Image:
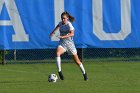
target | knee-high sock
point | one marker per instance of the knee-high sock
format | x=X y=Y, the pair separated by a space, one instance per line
x=58 y=59
x=82 y=68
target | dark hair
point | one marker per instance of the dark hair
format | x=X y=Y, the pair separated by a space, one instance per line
x=71 y=18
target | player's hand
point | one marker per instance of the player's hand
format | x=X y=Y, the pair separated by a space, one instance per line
x=63 y=37
x=60 y=36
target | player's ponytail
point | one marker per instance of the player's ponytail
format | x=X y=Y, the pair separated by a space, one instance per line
x=71 y=18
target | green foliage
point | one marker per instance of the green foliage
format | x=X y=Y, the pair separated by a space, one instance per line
x=104 y=77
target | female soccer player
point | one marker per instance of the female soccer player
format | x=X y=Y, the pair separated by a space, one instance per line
x=66 y=43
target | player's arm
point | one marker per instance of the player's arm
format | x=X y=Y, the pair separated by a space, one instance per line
x=71 y=34
x=54 y=30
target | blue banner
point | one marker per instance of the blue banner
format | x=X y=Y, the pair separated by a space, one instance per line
x=26 y=24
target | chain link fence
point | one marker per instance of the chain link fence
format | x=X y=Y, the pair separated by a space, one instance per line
x=86 y=55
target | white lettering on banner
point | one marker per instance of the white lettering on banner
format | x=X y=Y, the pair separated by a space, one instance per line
x=98 y=21
x=59 y=8
x=14 y=21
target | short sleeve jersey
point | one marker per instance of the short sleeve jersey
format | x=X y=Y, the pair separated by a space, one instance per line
x=65 y=30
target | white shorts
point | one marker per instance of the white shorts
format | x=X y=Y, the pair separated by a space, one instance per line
x=71 y=50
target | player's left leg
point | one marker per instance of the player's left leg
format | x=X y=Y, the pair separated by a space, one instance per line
x=78 y=62
x=72 y=51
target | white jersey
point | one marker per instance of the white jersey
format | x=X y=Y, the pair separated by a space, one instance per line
x=65 y=30
x=67 y=43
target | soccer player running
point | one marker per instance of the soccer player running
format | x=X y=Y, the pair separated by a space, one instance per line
x=66 y=43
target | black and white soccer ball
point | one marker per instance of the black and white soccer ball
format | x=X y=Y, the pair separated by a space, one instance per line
x=52 y=78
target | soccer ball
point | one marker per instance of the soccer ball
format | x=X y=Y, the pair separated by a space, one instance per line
x=52 y=78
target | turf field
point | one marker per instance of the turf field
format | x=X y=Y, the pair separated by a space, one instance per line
x=104 y=77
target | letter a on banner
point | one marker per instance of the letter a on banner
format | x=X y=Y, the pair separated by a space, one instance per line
x=14 y=21
x=98 y=21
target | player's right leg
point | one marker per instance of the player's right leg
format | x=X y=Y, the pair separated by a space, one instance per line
x=59 y=52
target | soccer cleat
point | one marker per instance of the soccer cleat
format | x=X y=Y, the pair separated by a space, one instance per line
x=85 y=77
x=61 y=75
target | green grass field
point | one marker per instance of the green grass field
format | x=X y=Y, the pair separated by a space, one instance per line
x=104 y=77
